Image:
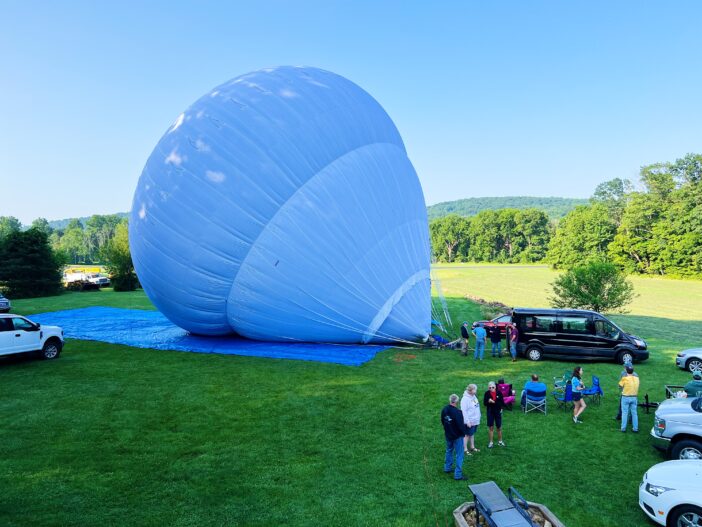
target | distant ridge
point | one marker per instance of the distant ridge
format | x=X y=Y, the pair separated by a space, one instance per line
x=554 y=208
x=62 y=224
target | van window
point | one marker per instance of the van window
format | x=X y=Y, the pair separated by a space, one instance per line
x=544 y=323
x=605 y=329
x=576 y=324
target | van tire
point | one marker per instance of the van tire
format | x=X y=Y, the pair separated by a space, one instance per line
x=625 y=356
x=534 y=353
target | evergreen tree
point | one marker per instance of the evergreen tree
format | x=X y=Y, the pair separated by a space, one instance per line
x=29 y=266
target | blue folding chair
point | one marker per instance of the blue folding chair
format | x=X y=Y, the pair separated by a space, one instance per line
x=565 y=397
x=594 y=393
x=534 y=400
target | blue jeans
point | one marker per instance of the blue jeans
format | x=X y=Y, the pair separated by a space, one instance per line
x=479 y=349
x=513 y=349
x=455 y=446
x=630 y=405
x=496 y=349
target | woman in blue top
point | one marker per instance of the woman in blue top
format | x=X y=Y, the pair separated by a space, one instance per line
x=578 y=386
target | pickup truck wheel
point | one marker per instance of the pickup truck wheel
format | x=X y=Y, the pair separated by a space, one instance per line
x=684 y=516
x=694 y=364
x=51 y=349
x=625 y=356
x=687 y=449
x=533 y=353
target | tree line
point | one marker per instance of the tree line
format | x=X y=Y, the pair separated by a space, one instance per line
x=33 y=258
x=655 y=229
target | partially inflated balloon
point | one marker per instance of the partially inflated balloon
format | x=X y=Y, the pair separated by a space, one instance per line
x=282 y=206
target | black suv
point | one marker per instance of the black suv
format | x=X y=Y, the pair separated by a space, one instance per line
x=574 y=334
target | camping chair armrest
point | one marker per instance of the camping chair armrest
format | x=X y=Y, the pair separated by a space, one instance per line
x=517 y=499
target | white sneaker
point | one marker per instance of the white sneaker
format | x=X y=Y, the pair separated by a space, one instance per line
x=501 y=443
x=490 y=444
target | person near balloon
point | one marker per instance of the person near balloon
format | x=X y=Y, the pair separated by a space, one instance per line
x=480 y=337
x=494 y=403
x=470 y=407
x=454 y=431
x=496 y=340
x=630 y=391
x=513 y=339
x=464 y=339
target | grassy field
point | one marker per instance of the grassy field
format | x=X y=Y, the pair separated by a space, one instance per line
x=121 y=436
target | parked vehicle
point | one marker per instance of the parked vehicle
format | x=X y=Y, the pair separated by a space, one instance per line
x=576 y=335
x=5 y=305
x=689 y=360
x=98 y=279
x=21 y=335
x=671 y=493
x=501 y=321
x=677 y=428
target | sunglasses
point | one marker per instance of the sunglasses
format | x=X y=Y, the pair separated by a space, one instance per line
x=492 y=387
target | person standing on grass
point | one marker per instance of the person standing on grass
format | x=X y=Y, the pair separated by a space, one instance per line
x=470 y=407
x=480 y=337
x=452 y=421
x=464 y=339
x=496 y=339
x=513 y=339
x=494 y=402
x=622 y=375
x=578 y=386
x=630 y=401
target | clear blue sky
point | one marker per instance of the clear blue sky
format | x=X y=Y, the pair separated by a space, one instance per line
x=491 y=98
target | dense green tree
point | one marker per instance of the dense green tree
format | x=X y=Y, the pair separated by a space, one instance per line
x=9 y=224
x=597 y=285
x=29 y=267
x=582 y=236
x=41 y=224
x=633 y=247
x=73 y=244
x=119 y=260
x=486 y=237
x=613 y=194
x=533 y=230
x=449 y=237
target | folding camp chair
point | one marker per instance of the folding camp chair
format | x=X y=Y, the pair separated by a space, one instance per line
x=594 y=393
x=565 y=397
x=507 y=394
x=534 y=400
x=559 y=383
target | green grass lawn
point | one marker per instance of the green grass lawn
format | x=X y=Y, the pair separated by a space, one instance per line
x=112 y=435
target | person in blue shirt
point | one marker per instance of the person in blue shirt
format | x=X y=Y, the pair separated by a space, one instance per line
x=480 y=337
x=533 y=386
x=578 y=386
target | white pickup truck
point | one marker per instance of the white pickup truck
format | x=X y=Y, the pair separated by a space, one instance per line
x=21 y=335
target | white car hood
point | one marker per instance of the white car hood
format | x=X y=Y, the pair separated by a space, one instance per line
x=679 y=474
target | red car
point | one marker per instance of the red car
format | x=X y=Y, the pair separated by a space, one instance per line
x=501 y=321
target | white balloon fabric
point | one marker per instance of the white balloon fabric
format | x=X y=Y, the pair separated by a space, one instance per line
x=282 y=206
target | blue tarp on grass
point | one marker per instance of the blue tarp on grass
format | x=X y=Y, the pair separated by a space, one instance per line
x=150 y=329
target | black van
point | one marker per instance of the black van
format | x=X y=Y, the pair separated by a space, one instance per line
x=574 y=334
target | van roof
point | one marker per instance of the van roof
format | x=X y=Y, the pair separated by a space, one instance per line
x=553 y=312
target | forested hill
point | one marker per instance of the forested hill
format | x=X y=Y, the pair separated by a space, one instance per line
x=553 y=207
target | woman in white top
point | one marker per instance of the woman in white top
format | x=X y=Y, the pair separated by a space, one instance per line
x=470 y=406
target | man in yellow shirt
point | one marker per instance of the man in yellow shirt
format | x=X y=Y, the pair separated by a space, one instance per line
x=630 y=391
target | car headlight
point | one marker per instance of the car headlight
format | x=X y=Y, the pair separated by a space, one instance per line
x=640 y=343
x=656 y=490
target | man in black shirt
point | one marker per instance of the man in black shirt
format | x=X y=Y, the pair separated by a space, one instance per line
x=464 y=339
x=454 y=430
x=496 y=339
